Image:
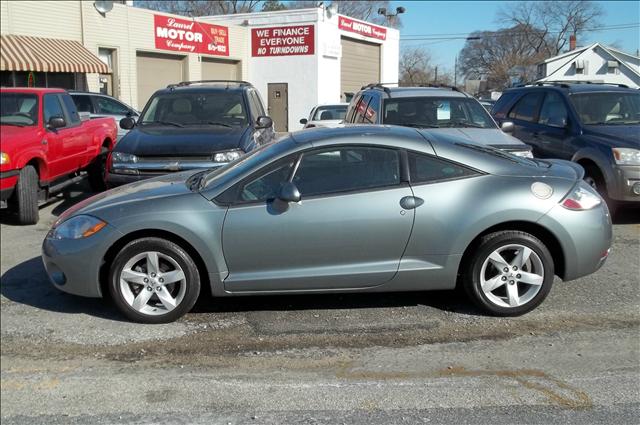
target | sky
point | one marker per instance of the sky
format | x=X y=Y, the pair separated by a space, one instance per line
x=444 y=17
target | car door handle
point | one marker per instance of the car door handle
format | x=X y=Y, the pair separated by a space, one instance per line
x=411 y=202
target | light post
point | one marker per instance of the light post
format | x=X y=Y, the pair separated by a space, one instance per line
x=383 y=11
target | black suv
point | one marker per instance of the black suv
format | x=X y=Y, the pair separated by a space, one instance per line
x=444 y=109
x=193 y=124
x=595 y=125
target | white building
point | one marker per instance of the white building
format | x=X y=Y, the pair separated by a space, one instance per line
x=595 y=63
x=300 y=58
x=295 y=58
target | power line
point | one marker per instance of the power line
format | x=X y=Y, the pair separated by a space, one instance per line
x=488 y=34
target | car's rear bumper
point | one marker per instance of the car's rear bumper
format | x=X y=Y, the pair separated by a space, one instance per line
x=626 y=183
x=584 y=236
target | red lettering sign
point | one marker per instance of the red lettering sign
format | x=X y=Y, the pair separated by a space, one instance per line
x=184 y=35
x=362 y=28
x=283 y=41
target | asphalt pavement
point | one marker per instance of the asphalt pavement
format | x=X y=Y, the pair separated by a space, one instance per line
x=407 y=358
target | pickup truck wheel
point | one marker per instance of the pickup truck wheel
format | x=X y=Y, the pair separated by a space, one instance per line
x=97 y=171
x=27 y=196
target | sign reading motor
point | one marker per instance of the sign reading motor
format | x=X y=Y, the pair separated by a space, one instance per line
x=362 y=28
x=283 y=41
x=190 y=36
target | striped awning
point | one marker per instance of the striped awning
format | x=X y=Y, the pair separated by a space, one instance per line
x=26 y=53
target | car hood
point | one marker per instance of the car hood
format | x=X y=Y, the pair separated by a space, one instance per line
x=148 y=190
x=621 y=136
x=12 y=135
x=170 y=141
x=485 y=136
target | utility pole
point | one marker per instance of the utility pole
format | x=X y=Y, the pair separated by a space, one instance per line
x=436 y=80
x=455 y=72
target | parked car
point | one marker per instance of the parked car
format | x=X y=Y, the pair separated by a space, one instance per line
x=46 y=146
x=356 y=209
x=194 y=124
x=446 y=109
x=101 y=105
x=325 y=116
x=595 y=125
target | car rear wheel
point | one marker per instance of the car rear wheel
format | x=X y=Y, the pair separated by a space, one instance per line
x=154 y=280
x=27 y=196
x=509 y=274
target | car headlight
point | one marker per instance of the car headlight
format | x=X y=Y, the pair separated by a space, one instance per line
x=626 y=156
x=4 y=158
x=227 y=156
x=523 y=154
x=125 y=158
x=78 y=227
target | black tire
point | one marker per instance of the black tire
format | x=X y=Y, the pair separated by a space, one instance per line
x=486 y=246
x=163 y=246
x=594 y=178
x=27 y=196
x=97 y=171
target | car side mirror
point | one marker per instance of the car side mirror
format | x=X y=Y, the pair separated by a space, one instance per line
x=289 y=193
x=127 y=123
x=303 y=121
x=508 y=127
x=56 y=122
x=264 y=121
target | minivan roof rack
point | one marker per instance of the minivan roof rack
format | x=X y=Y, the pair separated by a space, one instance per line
x=566 y=84
x=382 y=86
x=228 y=82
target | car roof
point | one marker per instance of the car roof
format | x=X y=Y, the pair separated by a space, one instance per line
x=578 y=87
x=32 y=90
x=400 y=92
x=318 y=134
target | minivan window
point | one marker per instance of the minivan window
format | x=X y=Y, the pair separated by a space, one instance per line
x=607 y=108
x=526 y=107
x=553 y=112
x=435 y=112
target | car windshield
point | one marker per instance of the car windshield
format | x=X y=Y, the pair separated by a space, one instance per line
x=607 y=108
x=220 y=108
x=19 y=109
x=330 y=112
x=436 y=112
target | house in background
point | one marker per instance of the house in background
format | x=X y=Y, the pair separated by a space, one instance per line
x=595 y=63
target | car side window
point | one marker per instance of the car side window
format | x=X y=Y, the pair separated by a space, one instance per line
x=83 y=103
x=351 y=110
x=111 y=107
x=553 y=112
x=73 y=118
x=266 y=185
x=346 y=169
x=52 y=107
x=361 y=109
x=526 y=108
x=427 y=169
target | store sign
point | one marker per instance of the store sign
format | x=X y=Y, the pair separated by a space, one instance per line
x=362 y=28
x=184 y=35
x=283 y=41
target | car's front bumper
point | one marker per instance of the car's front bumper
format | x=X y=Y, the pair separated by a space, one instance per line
x=121 y=174
x=626 y=183
x=584 y=236
x=73 y=265
x=8 y=181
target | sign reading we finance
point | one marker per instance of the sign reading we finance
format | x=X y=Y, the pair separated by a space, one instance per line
x=184 y=35
x=283 y=41
x=362 y=28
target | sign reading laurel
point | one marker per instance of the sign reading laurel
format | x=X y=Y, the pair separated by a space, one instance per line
x=185 y=35
x=362 y=28
x=283 y=41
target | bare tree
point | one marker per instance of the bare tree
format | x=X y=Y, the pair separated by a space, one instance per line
x=547 y=25
x=415 y=67
x=498 y=55
x=200 y=7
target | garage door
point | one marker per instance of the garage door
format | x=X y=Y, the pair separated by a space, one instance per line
x=360 y=65
x=156 y=71
x=216 y=69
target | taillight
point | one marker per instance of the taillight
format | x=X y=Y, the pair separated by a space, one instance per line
x=581 y=199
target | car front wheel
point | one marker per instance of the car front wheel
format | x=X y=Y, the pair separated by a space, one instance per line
x=509 y=274
x=154 y=280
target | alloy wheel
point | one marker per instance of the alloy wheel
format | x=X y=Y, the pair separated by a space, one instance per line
x=152 y=283
x=512 y=275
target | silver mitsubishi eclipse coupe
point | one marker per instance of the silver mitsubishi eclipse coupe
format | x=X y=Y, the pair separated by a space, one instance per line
x=354 y=209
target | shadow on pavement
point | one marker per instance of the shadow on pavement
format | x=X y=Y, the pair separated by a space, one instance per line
x=628 y=215
x=27 y=283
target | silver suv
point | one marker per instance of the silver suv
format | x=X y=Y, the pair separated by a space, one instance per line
x=444 y=109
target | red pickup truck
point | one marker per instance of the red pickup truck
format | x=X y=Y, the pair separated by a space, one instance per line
x=45 y=146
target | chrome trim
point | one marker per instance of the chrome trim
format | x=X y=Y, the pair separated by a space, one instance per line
x=181 y=165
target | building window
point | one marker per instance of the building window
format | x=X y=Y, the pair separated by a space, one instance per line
x=62 y=80
x=108 y=81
